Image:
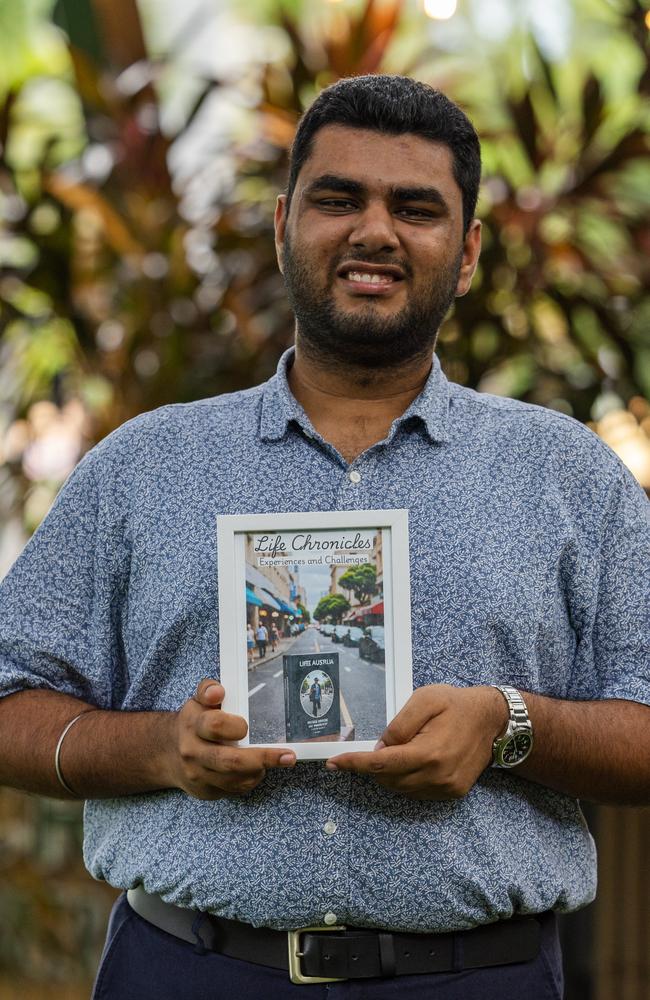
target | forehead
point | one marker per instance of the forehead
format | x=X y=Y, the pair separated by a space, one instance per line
x=378 y=160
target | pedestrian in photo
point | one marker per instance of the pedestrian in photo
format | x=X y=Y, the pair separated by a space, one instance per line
x=530 y=589
x=315 y=696
x=262 y=639
x=250 y=643
x=274 y=637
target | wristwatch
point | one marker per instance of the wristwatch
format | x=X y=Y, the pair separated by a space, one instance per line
x=516 y=743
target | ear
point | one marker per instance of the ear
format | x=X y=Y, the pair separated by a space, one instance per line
x=280 y=221
x=471 y=252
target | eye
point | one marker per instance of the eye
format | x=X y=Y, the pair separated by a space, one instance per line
x=337 y=204
x=415 y=213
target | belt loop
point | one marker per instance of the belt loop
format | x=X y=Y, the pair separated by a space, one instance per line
x=457 y=956
x=387 y=955
x=200 y=947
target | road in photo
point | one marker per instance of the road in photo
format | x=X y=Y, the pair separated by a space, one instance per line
x=362 y=690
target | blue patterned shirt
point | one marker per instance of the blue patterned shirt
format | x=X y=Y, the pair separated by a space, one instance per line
x=529 y=548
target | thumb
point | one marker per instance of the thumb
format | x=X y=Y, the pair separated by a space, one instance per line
x=210 y=693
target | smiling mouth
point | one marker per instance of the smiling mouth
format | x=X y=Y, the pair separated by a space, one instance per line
x=372 y=281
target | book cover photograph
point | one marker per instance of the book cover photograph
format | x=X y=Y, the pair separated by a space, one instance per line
x=312 y=696
x=321 y=599
x=314 y=639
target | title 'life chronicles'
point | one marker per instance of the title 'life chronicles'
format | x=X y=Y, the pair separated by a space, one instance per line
x=275 y=545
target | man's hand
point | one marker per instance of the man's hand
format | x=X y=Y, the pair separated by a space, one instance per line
x=203 y=765
x=438 y=745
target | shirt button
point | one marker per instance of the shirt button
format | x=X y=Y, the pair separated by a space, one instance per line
x=355 y=477
x=330 y=827
x=329 y=918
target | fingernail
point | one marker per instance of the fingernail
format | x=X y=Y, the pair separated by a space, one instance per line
x=210 y=687
x=287 y=758
x=379 y=745
x=330 y=765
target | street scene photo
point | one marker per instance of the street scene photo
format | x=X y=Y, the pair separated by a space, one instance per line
x=315 y=636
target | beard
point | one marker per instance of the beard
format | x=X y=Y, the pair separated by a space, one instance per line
x=364 y=338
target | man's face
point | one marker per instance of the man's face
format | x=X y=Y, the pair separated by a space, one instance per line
x=372 y=249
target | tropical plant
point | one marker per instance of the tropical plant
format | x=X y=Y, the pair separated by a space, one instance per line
x=123 y=290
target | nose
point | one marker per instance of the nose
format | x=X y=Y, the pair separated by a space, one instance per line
x=374 y=230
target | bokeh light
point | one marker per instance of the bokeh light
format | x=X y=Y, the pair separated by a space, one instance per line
x=440 y=10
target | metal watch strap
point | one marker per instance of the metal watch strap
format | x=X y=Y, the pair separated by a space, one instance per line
x=519 y=722
x=516 y=704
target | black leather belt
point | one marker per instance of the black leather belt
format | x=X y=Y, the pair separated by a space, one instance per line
x=328 y=954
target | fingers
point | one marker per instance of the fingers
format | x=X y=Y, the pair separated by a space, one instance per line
x=410 y=773
x=248 y=760
x=219 y=726
x=222 y=726
x=389 y=761
x=208 y=763
x=279 y=758
x=215 y=770
x=423 y=705
x=236 y=771
x=210 y=693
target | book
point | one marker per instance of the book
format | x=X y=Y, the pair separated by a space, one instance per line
x=312 y=696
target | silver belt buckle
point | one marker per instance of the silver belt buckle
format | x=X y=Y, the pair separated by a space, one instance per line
x=295 y=954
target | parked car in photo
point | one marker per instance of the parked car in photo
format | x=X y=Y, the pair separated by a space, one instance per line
x=326 y=629
x=339 y=632
x=371 y=645
x=353 y=637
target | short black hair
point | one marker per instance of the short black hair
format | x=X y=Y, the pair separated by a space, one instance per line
x=394 y=105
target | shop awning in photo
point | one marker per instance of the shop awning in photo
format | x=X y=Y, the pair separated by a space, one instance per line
x=271 y=602
x=252 y=598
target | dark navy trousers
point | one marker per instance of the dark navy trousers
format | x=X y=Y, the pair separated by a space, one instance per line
x=141 y=962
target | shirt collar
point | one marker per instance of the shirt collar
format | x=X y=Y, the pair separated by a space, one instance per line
x=280 y=407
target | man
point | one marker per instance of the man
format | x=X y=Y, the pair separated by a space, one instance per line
x=529 y=557
x=314 y=697
x=262 y=639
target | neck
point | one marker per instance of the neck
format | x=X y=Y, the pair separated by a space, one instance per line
x=353 y=408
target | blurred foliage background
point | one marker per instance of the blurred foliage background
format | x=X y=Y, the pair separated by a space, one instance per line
x=142 y=145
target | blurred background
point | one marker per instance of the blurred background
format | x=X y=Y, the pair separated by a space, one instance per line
x=142 y=145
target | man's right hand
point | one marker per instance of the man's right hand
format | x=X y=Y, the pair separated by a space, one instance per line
x=203 y=764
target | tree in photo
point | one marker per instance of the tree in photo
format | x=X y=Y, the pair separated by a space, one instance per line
x=331 y=608
x=360 y=581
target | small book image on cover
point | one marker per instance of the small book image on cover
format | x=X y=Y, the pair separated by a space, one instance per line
x=312 y=697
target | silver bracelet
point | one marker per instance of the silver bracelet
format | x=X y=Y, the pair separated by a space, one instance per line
x=57 y=753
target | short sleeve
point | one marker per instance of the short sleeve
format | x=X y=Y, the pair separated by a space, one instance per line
x=614 y=654
x=62 y=602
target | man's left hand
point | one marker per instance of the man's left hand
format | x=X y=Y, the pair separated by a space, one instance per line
x=437 y=745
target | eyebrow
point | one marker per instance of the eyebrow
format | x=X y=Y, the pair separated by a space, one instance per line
x=332 y=182
x=430 y=194
x=345 y=185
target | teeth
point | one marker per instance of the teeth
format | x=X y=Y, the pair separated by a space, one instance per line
x=373 y=279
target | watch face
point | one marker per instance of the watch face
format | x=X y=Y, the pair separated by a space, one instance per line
x=517 y=747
